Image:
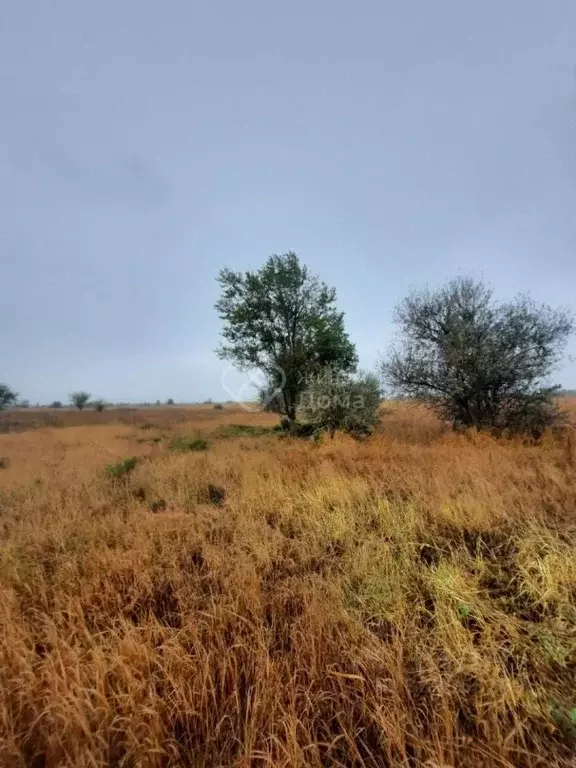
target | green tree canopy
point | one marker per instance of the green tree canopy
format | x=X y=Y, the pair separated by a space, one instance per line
x=7 y=397
x=80 y=399
x=283 y=321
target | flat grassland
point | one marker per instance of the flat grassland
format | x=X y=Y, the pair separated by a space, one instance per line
x=408 y=600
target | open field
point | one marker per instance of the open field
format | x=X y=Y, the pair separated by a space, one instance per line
x=407 y=600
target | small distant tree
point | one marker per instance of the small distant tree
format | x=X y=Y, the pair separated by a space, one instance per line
x=170 y=401
x=7 y=397
x=337 y=401
x=80 y=399
x=23 y=404
x=476 y=362
x=283 y=321
x=99 y=405
x=55 y=404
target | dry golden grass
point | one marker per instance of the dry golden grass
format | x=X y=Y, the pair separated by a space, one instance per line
x=409 y=600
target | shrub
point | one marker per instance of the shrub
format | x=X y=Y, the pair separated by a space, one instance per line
x=336 y=401
x=99 y=405
x=216 y=495
x=55 y=404
x=4 y=462
x=185 y=444
x=476 y=362
x=170 y=401
x=122 y=468
x=218 y=406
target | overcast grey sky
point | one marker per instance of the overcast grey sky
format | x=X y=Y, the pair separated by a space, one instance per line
x=144 y=145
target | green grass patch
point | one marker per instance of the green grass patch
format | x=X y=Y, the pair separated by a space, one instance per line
x=185 y=444
x=122 y=468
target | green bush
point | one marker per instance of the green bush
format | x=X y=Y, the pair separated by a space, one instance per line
x=336 y=401
x=122 y=468
x=185 y=444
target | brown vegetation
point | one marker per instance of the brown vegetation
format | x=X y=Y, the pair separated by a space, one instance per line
x=406 y=600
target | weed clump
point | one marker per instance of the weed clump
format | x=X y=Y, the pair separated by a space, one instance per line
x=122 y=468
x=215 y=494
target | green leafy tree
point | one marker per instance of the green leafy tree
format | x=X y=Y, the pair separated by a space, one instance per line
x=282 y=320
x=477 y=362
x=338 y=401
x=80 y=399
x=7 y=397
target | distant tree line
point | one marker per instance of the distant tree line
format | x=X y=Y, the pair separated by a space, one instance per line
x=79 y=400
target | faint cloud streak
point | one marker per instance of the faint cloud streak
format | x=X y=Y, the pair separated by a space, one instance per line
x=132 y=181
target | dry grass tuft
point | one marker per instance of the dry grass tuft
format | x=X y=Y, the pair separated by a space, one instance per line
x=407 y=600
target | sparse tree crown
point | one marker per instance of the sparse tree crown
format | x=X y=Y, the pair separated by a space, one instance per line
x=80 y=399
x=479 y=363
x=283 y=321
